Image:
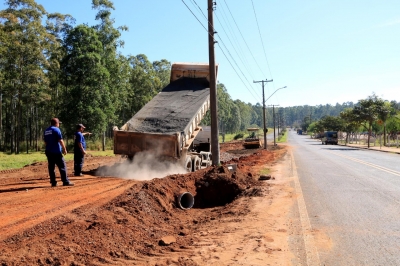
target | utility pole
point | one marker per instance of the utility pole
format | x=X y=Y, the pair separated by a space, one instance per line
x=279 y=121
x=213 y=87
x=265 y=129
x=273 y=112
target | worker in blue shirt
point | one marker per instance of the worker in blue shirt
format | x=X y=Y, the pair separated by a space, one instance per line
x=55 y=148
x=79 y=149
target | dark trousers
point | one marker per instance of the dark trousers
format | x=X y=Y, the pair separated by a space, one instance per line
x=54 y=159
x=79 y=158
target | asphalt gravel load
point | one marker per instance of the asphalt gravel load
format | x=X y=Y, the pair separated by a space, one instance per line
x=173 y=109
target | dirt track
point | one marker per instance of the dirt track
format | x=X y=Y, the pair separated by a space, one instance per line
x=236 y=219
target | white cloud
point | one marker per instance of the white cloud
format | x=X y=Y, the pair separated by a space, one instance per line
x=389 y=23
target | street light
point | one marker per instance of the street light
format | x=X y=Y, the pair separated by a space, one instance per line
x=273 y=110
x=274 y=93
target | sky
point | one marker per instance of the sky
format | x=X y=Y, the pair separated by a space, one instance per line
x=324 y=52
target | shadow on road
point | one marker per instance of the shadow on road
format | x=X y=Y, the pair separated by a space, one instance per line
x=21 y=189
x=339 y=149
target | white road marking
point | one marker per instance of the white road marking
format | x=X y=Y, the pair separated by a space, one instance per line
x=387 y=170
x=309 y=243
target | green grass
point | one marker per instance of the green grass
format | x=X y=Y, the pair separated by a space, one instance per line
x=229 y=137
x=13 y=161
x=283 y=138
x=265 y=171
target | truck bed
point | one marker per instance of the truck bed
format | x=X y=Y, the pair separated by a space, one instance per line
x=179 y=107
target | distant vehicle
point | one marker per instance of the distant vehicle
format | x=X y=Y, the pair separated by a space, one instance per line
x=252 y=141
x=330 y=137
x=300 y=132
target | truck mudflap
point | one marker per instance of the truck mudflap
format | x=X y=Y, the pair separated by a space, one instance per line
x=161 y=145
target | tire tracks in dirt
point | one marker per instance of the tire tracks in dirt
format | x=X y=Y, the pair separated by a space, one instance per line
x=18 y=208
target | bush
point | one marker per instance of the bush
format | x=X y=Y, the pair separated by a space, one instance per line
x=238 y=136
x=93 y=145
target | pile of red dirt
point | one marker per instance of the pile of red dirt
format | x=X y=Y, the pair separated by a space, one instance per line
x=115 y=221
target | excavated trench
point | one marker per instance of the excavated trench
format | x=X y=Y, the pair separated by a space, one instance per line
x=217 y=188
x=207 y=188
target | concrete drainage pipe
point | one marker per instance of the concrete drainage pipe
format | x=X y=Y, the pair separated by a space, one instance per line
x=185 y=200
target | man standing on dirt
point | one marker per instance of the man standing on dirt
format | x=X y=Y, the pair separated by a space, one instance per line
x=79 y=149
x=55 y=148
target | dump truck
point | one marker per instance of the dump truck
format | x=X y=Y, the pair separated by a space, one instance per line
x=330 y=137
x=167 y=126
x=252 y=141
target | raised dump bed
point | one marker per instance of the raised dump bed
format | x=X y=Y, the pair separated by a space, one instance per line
x=169 y=123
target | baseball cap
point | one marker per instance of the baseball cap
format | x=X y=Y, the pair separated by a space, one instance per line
x=78 y=126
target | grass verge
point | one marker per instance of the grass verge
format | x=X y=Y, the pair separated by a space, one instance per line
x=15 y=161
x=283 y=138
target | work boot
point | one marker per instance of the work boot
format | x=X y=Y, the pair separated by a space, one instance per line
x=68 y=184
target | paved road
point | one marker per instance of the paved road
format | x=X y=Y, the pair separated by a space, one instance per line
x=352 y=198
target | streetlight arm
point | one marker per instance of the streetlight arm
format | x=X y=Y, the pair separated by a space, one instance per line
x=274 y=93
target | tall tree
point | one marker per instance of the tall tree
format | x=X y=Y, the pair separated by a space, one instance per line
x=84 y=76
x=109 y=36
x=367 y=112
x=350 y=122
x=384 y=112
x=24 y=63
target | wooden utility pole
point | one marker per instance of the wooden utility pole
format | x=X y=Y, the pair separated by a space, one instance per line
x=279 y=121
x=213 y=86
x=264 y=129
x=273 y=113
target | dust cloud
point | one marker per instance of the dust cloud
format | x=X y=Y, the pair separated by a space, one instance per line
x=144 y=166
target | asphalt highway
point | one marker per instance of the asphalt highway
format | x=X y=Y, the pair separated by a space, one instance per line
x=352 y=198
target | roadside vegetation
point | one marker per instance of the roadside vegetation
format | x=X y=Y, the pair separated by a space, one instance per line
x=282 y=136
x=15 y=161
x=374 y=118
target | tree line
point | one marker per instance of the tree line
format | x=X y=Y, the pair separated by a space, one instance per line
x=370 y=115
x=50 y=67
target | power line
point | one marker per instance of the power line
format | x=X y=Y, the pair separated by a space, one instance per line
x=204 y=15
x=262 y=42
x=244 y=39
x=236 y=72
x=235 y=61
x=194 y=15
x=225 y=17
x=220 y=47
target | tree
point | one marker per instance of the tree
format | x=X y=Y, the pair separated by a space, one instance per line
x=367 y=111
x=350 y=122
x=332 y=123
x=393 y=124
x=384 y=112
x=144 y=83
x=246 y=113
x=24 y=64
x=84 y=76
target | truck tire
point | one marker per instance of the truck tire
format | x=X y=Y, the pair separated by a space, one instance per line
x=196 y=163
x=188 y=164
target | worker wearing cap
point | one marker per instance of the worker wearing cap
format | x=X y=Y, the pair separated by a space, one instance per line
x=79 y=149
x=55 y=148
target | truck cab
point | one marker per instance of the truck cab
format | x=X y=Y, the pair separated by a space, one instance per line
x=330 y=137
